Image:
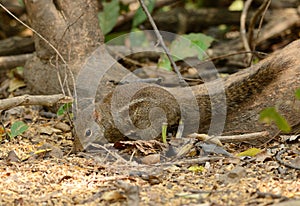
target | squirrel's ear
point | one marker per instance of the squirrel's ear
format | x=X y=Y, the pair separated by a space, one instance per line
x=96 y=116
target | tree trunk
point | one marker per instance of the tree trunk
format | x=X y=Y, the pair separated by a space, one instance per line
x=72 y=28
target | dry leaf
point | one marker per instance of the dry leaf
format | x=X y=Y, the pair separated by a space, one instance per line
x=206 y=138
x=12 y=157
x=112 y=196
x=62 y=126
x=15 y=84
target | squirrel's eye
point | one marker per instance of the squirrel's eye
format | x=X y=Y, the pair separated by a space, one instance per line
x=88 y=133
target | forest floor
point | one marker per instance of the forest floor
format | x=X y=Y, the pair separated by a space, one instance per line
x=36 y=168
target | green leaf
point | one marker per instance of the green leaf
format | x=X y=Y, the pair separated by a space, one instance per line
x=17 y=128
x=249 y=152
x=297 y=94
x=138 y=38
x=196 y=168
x=164 y=132
x=201 y=40
x=140 y=15
x=64 y=108
x=116 y=38
x=21 y=3
x=109 y=16
x=190 y=45
x=164 y=63
x=270 y=114
x=236 y=5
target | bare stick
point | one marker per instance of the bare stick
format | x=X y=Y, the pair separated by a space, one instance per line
x=267 y=4
x=243 y=137
x=253 y=20
x=232 y=54
x=190 y=161
x=243 y=28
x=113 y=154
x=161 y=41
x=44 y=100
x=231 y=138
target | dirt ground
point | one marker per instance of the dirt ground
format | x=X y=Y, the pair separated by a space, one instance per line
x=36 y=168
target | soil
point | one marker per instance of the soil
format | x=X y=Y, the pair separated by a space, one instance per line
x=36 y=168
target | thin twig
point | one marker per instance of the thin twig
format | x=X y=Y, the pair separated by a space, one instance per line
x=198 y=160
x=127 y=59
x=278 y=158
x=58 y=75
x=66 y=67
x=243 y=137
x=230 y=138
x=115 y=155
x=233 y=54
x=243 y=28
x=161 y=41
x=268 y=2
x=228 y=55
x=132 y=155
x=253 y=20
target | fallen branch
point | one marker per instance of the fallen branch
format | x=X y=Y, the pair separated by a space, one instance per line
x=44 y=100
x=191 y=161
x=218 y=140
x=243 y=137
x=16 y=45
x=10 y=62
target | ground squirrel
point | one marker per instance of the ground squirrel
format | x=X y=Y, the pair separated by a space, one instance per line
x=271 y=82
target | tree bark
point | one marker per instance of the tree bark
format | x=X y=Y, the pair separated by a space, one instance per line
x=72 y=28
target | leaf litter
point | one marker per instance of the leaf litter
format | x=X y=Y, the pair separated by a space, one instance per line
x=36 y=168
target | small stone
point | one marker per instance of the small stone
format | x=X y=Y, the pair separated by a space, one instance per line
x=62 y=126
x=151 y=159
